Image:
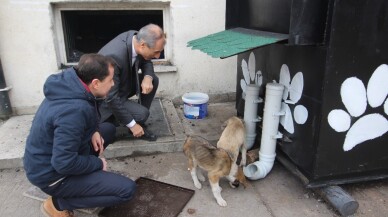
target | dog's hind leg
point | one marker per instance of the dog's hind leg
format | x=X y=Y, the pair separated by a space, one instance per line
x=232 y=175
x=243 y=161
x=216 y=189
x=193 y=172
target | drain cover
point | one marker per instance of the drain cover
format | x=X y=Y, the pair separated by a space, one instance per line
x=152 y=199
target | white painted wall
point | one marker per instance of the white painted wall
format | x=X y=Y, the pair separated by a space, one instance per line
x=28 y=49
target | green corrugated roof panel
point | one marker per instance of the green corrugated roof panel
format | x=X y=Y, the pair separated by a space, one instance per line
x=234 y=41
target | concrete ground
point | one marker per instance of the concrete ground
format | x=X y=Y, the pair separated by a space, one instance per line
x=280 y=194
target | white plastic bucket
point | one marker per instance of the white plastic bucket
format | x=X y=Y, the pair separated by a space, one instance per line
x=195 y=105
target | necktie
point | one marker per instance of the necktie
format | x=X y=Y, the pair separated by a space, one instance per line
x=136 y=71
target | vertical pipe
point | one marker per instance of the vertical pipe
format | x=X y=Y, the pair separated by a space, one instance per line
x=5 y=105
x=250 y=114
x=272 y=106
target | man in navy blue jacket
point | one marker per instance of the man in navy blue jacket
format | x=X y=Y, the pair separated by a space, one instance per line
x=65 y=141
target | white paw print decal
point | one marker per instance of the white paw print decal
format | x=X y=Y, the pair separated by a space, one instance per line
x=356 y=99
x=249 y=73
x=291 y=95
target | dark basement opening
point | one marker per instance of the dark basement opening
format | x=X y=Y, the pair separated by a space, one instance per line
x=86 y=31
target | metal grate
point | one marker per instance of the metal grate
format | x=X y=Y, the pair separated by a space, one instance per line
x=152 y=199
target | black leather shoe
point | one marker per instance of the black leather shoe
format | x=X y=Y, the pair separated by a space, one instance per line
x=148 y=135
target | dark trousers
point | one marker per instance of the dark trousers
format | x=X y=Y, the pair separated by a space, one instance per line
x=140 y=112
x=97 y=189
x=146 y=99
x=107 y=132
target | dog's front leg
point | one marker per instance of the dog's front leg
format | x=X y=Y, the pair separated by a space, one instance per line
x=200 y=175
x=193 y=172
x=216 y=189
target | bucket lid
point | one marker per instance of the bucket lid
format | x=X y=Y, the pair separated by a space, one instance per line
x=195 y=98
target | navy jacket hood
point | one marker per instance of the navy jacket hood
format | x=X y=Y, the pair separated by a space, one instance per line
x=65 y=85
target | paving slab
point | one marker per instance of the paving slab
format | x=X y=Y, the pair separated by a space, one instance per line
x=209 y=127
x=279 y=194
x=13 y=135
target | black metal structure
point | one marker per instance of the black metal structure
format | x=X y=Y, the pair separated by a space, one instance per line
x=329 y=42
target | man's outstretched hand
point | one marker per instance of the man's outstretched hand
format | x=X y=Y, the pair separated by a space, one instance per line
x=137 y=130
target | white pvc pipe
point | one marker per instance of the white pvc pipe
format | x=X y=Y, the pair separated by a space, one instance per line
x=272 y=110
x=250 y=114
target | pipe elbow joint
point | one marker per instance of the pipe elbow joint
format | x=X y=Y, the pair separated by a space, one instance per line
x=259 y=169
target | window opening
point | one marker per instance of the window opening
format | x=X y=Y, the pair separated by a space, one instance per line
x=87 y=31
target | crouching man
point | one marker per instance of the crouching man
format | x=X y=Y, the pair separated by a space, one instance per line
x=65 y=141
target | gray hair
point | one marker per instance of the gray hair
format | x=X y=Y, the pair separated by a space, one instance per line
x=150 y=34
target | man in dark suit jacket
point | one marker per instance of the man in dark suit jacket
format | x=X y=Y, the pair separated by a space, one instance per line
x=132 y=51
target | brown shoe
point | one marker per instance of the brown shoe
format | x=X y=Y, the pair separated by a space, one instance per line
x=49 y=210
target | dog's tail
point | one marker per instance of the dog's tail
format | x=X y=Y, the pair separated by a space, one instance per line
x=186 y=146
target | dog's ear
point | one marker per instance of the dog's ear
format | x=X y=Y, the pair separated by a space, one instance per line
x=230 y=154
x=242 y=120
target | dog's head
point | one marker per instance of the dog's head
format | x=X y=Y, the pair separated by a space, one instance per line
x=231 y=121
x=239 y=178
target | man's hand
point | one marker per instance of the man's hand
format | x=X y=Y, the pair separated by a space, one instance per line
x=104 y=164
x=98 y=143
x=146 y=85
x=137 y=130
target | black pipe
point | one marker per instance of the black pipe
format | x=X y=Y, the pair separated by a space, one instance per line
x=5 y=104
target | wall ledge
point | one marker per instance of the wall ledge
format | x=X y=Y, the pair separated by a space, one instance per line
x=165 y=68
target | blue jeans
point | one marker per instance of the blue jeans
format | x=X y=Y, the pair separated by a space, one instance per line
x=97 y=189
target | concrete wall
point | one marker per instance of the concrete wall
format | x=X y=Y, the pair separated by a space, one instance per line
x=29 y=49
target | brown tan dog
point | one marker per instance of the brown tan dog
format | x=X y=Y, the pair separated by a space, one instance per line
x=216 y=162
x=233 y=139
